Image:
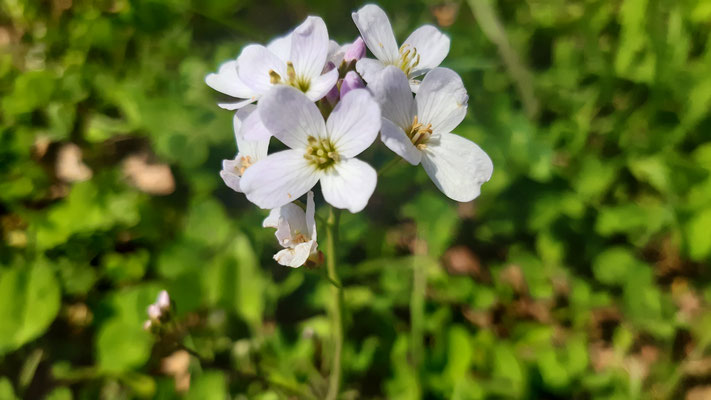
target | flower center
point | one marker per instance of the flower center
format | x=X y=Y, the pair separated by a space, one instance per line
x=244 y=163
x=419 y=134
x=291 y=78
x=321 y=153
x=409 y=58
x=299 y=238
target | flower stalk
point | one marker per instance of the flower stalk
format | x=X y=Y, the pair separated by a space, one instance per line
x=334 y=380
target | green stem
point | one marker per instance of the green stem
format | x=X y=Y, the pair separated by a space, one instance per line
x=388 y=165
x=334 y=380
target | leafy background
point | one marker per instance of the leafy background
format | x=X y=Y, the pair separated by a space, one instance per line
x=581 y=272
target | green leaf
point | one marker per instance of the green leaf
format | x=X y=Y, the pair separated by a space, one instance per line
x=615 y=265
x=208 y=386
x=29 y=303
x=122 y=346
x=698 y=235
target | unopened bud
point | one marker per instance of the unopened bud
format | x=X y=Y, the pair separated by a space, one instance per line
x=355 y=51
x=163 y=300
x=147 y=325
x=333 y=95
x=351 y=81
x=154 y=312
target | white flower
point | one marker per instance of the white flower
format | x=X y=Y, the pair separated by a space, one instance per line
x=248 y=151
x=423 y=50
x=419 y=130
x=296 y=59
x=318 y=150
x=296 y=232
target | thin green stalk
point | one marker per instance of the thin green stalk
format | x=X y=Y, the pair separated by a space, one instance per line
x=334 y=380
x=388 y=165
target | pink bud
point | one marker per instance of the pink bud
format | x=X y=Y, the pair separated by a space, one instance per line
x=333 y=96
x=355 y=51
x=350 y=82
x=154 y=312
x=147 y=325
x=163 y=300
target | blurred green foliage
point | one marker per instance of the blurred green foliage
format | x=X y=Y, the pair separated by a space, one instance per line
x=582 y=271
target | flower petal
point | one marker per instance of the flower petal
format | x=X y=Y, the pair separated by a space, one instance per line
x=272 y=220
x=432 y=46
x=253 y=129
x=335 y=53
x=237 y=104
x=354 y=123
x=396 y=140
x=442 y=100
x=229 y=175
x=311 y=215
x=309 y=48
x=321 y=84
x=457 y=166
x=375 y=28
x=297 y=256
x=279 y=179
x=392 y=92
x=281 y=47
x=369 y=69
x=296 y=217
x=291 y=116
x=228 y=82
x=255 y=149
x=254 y=64
x=349 y=184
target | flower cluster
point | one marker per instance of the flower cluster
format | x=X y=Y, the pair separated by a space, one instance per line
x=158 y=312
x=327 y=103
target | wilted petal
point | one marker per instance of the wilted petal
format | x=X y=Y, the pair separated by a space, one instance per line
x=254 y=64
x=354 y=123
x=297 y=256
x=442 y=100
x=321 y=84
x=396 y=140
x=369 y=69
x=349 y=184
x=432 y=46
x=279 y=179
x=309 y=48
x=392 y=92
x=457 y=166
x=376 y=31
x=291 y=117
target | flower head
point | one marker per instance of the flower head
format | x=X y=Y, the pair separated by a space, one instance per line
x=248 y=151
x=318 y=150
x=296 y=232
x=423 y=50
x=419 y=130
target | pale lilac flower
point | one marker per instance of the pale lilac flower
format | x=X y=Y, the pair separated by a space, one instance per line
x=297 y=59
x=318 y=150
x=248 y=151
x=423 y=50
x=418 y=129
x=296 y=232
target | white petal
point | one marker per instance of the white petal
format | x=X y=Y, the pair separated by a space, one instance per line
x=296 y=217
x=349 y=184
x=253 y=129
x=254 y=64
x=321 y=84
x=392 y=91
x=297 y=256
x=227 y=81
x=230 y=176
x=291 y=116
x=237 y=104
x=442 y=100
x=279 y=179
x=375 y=28
x=272 y=220
x=396 y=140
x=311 y=215
x=457 y=166
x=335 y=53
x=369 y=69
x=281 y=47
x=354 y=123
x=283 y=232
x=432 y=47
x=309 y=48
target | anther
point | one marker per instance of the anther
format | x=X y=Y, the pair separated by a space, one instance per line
x=274 y=77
